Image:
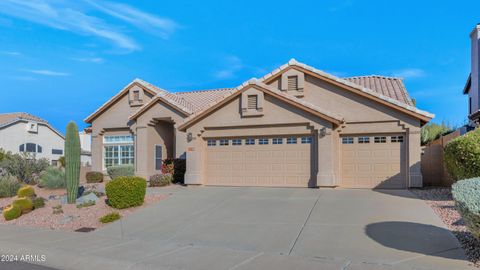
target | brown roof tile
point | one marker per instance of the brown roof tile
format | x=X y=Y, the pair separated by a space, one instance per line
x=387 y=86
x=7 y=118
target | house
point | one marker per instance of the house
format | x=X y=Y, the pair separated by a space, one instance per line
x=86 y=148
x=23 y=132
x=472 y=88
x=295 y=127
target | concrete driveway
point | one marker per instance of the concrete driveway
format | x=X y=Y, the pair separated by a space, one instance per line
x=263 y=228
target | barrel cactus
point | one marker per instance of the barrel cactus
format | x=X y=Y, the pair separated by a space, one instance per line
x=25 y=204
x=26 y=191
x=12 y=212
x=72 y=161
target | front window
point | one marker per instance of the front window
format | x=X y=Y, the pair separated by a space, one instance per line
x=118 y=150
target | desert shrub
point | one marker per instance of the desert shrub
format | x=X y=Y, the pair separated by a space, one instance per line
x=24 y=203
x=25 y=167
x=57 y=209
x=160 y=180
x=466 y=194
x=121 y=170
x=94 y=177
x=176 y=167
x=432 y=131
x=52 y=178
x=9 y=186
x=462 y=156
x=38 y=202
x=126 y=191
x=12 y=212
x=3 y=154
x=110 y=217
x=61 y=160
x=26 y=191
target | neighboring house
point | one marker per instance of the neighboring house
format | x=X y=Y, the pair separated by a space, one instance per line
x=472 y=88
x=23 y=132
x=295 y=127
x=86 y=148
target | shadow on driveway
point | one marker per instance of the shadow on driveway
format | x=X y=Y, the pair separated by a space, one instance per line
x=415 y=237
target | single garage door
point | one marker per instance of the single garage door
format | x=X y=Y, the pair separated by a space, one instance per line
x=373 y=161
x=272 y=162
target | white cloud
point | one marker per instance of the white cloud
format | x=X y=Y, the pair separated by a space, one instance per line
x=146 y=21
x=11 y=53
x=233 y=64
x=47 y=72
x=409 y=73
x=71 y=16
x=96 y=60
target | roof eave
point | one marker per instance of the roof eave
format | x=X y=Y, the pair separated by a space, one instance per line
x=468 y=84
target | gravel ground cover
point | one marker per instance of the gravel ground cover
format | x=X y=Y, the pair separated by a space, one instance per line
x=441 y=201
x=72 y=218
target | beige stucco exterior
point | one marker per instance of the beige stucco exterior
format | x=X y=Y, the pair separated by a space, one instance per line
x=321 y=109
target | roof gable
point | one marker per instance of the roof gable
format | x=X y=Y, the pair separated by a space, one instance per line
x=144 y=85
x=306 y=106
x=350 y=86
x=8 y=119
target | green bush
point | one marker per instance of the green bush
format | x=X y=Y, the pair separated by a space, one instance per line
x=26 y=191
x=432 y=131
x=38 y=202
x=176 y=167
x=24 y=203
x=94 y=177
x=126 y=191
x=9 y=185
x=462 y=156
x=25 y=167
x=110 y=217
x=12 y=212
x=466 y=194
x=121 y=170
x=160 y=180
x=52 y=178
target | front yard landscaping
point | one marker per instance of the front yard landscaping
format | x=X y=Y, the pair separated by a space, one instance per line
x=70 y=217
x=442 y=203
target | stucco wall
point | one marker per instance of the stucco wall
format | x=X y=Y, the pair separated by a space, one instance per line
x=13 y=136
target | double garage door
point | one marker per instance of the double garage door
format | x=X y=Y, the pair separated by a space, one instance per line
x=265 y=161
x=373 y=161
x=366 y=161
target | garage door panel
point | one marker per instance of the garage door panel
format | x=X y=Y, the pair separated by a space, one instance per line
x=373 y=165
x=259 y=165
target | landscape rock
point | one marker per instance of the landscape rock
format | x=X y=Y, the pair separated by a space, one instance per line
x=81 y=200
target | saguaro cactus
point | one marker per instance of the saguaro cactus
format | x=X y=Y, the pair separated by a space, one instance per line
x=72 y=161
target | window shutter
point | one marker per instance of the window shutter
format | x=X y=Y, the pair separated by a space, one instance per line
x=292 y=83
x=252 y=102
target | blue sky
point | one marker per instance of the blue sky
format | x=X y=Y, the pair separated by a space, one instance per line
x=61 y=60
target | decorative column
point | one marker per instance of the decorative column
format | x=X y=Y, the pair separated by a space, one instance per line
x=325 y=156
x=195 y=160
x=141 y=144
x=414 y=158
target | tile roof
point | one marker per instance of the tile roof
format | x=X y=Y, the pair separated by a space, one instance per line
x=387 y=86
x=200 y=100
x=8 y=118
x=259 y=83
x=368 y=91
